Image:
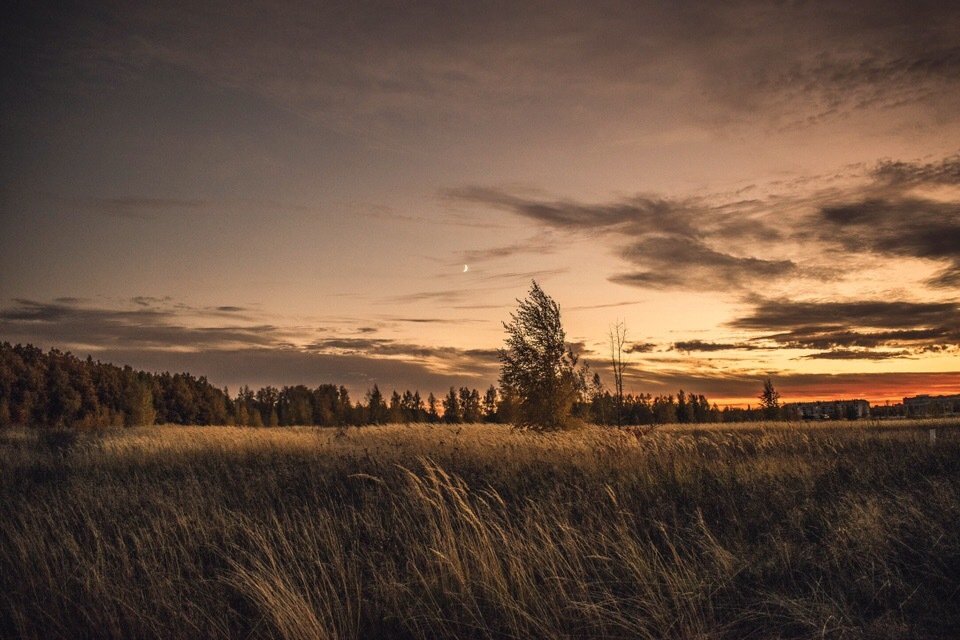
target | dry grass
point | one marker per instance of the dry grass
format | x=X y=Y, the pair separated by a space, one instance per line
x=722 y=531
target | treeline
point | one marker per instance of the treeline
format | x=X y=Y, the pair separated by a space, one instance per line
x=57 y=389
x=60 y=390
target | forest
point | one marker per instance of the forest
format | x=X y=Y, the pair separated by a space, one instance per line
x=59 y=390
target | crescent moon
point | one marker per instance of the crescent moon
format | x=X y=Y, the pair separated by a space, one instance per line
x=466 y=268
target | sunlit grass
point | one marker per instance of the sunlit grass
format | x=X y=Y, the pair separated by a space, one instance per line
x=772 y=530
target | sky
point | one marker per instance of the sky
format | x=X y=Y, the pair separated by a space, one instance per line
x=294 y=192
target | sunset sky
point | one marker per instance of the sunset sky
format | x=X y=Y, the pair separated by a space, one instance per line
x=287 y=192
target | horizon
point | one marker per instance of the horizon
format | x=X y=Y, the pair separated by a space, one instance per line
x=291 y=193
x=359 y=395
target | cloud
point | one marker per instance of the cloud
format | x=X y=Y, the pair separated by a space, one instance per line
x=640 y=347
x=746 y=385
x=569 y=214
x=848 y=354
x=391 y=347
x=259 y=367
x=149 y=328
x=609 y=305
x=722 y=242
x=150 y=301
x=165 y=338
x=671 y=239
x=783 y=314
x=689 y=346
x=675 y=262
x=900 y=173
x=474 y=285
x=862 y=324
x=369 y=68
x=540 y=244
x=899 y=226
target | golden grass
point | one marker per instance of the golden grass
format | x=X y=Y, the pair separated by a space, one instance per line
x=422 y=531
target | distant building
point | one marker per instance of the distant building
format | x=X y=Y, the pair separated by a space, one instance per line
x=927 y=405
x=832 y=410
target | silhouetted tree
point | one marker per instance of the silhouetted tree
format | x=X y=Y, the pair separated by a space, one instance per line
x=770 y=401
x=537 y=367
x=377 y=412
x=451 y=407
x=617 y=337
x=490 y=405
x=432 y=414
x=395 y=412
x=470 y=410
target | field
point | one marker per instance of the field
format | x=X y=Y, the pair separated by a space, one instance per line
x=838 y=530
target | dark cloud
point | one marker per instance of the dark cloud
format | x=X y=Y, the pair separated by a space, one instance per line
x=640 y=347
x=861 y=324
x=390 y=347
x=846 y=354
x=571 y=214
x=788 y=314
x=670 y=262
x=689 y=346
x=899 y=173
x=150 y=301
x=899 y=226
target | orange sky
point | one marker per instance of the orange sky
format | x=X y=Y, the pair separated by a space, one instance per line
x=287 y=192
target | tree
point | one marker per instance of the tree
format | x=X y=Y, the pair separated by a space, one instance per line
x=770 y=401
x=138 y=404
x=451 y=408
x=537 y=367
x=377 y=412
x=432 y=415
x=470 y=408
x=490 y=405
x=618 y=337
x=395 y=412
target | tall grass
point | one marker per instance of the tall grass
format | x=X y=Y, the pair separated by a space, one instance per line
x=480 y=531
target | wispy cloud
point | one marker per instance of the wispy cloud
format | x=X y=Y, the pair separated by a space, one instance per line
x=726 y=243
x=609 y=305
x=148 y=328
x=346 y=66
x=472 y=286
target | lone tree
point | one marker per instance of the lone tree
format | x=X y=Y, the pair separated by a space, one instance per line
x=770 y=401
x=618 y=337
x=537 y=367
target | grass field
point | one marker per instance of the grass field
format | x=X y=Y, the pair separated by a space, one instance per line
x=480 y=531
